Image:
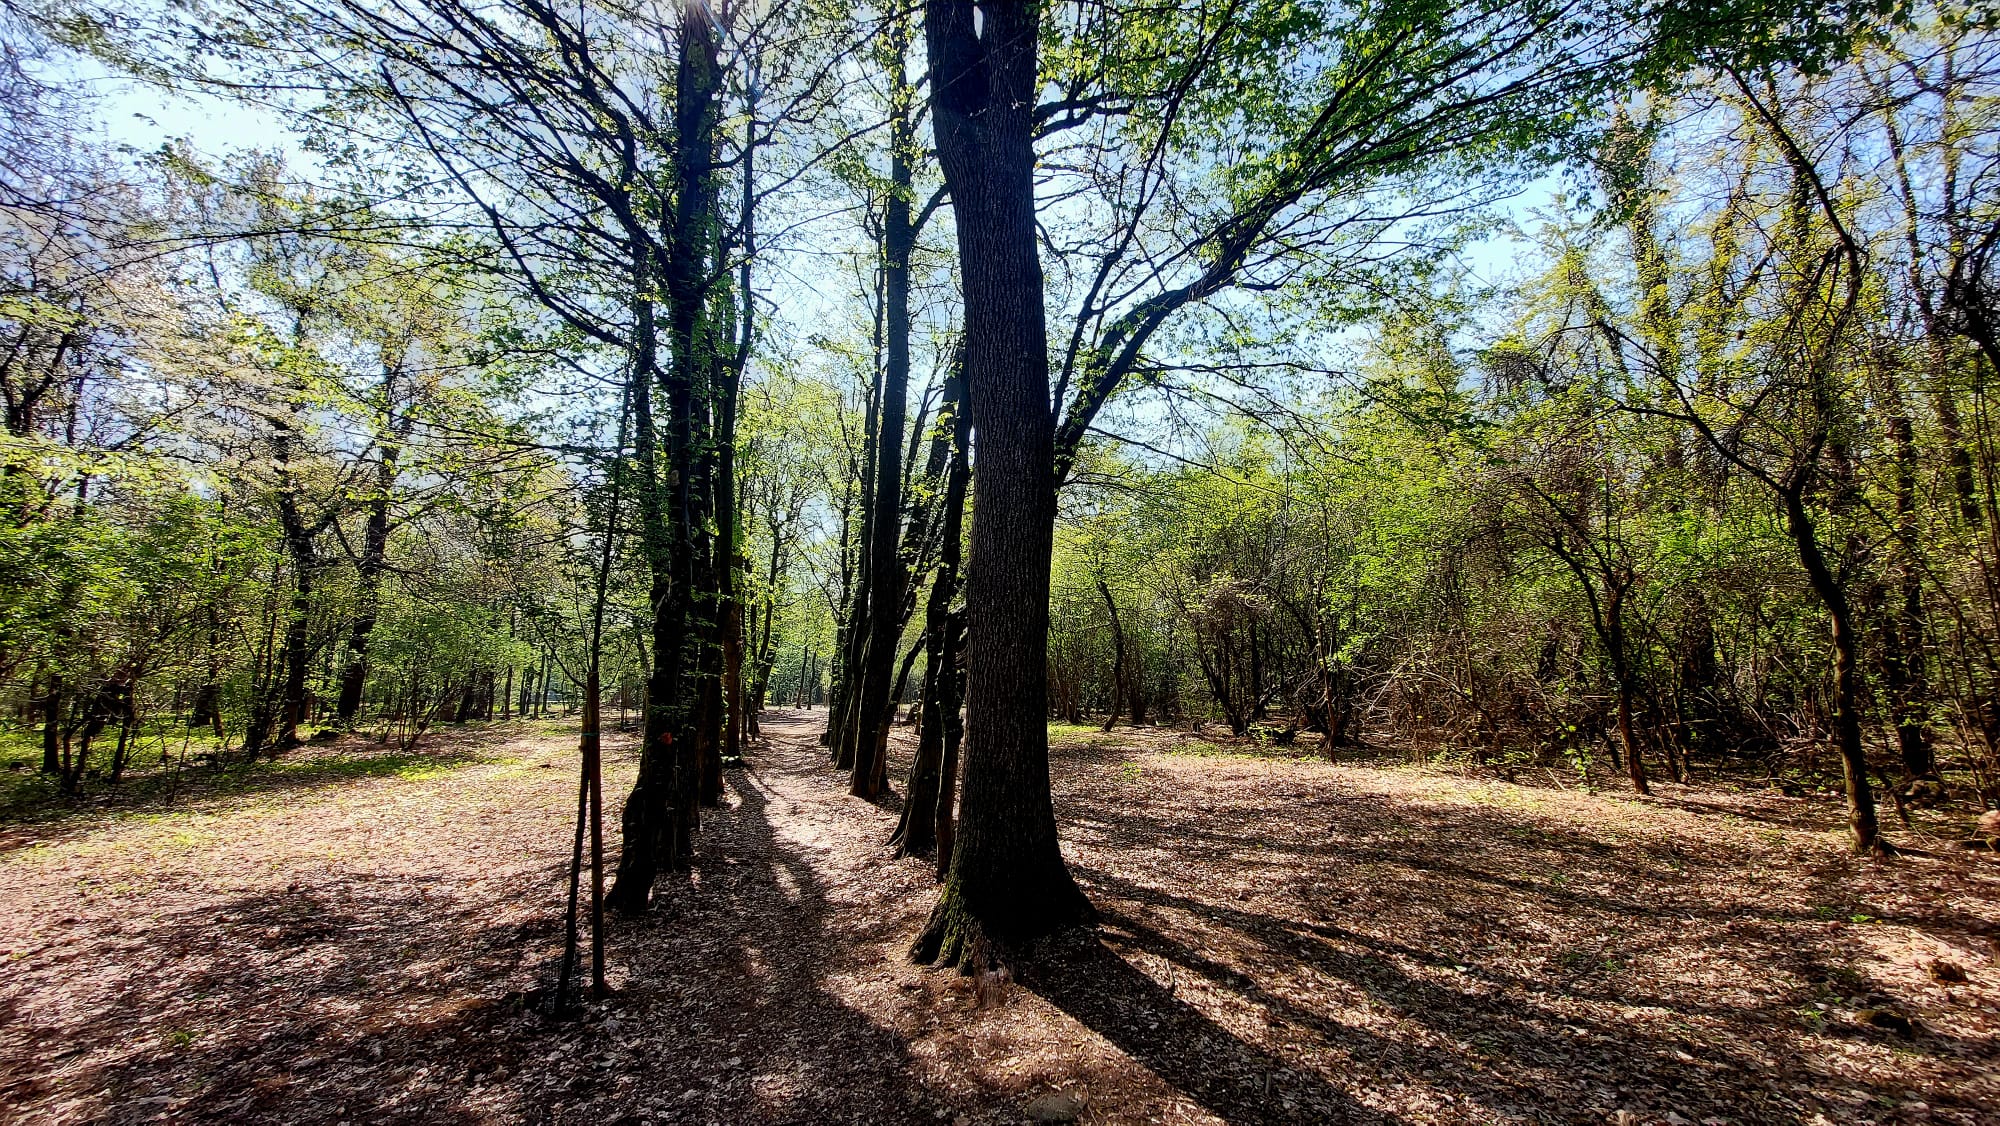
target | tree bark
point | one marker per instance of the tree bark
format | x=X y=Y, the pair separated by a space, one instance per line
x=1621 y=671
x=887 y=575
x=661 y=812
x=928 y=795
x=1861 y=820
x=1007 y=882
x=737 y=722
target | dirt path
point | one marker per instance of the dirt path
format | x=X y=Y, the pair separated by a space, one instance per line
x=1284 y=940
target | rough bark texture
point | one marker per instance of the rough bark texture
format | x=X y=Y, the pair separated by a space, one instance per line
x=1007 y=880
x=661 y=813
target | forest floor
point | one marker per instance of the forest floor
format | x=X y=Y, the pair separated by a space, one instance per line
x=349 y=938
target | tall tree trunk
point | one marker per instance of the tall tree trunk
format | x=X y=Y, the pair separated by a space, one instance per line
x=662 y=812
x=851 y=653
x=1007 y=880
x=725 y=490
x=369 y=591
x=708 y=566
x=766 y=656
x=374 y=551
x=297 y=537
x=886 y=571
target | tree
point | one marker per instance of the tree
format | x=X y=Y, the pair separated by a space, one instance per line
x=1007 y=881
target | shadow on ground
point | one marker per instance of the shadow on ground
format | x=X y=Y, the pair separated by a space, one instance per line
x=1283 y=942
x=1275 y=946
x=343 y=997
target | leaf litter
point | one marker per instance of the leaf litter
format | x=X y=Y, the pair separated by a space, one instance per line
x=1282 y=940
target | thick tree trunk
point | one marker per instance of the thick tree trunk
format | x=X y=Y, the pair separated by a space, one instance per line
x=297 y=662
x=662 y=811
x=1007 y=880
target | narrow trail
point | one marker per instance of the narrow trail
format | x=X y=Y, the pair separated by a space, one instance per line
x=352 y=939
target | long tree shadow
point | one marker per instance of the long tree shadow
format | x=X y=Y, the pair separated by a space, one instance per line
x=764 y=943
x=403 y=998
x=1224 y=1073
x=1495 y=961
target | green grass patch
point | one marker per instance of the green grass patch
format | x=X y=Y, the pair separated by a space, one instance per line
x=28 y=796
x=1248 y=748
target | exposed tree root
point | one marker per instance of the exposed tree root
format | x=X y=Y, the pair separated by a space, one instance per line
x=955 y=938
